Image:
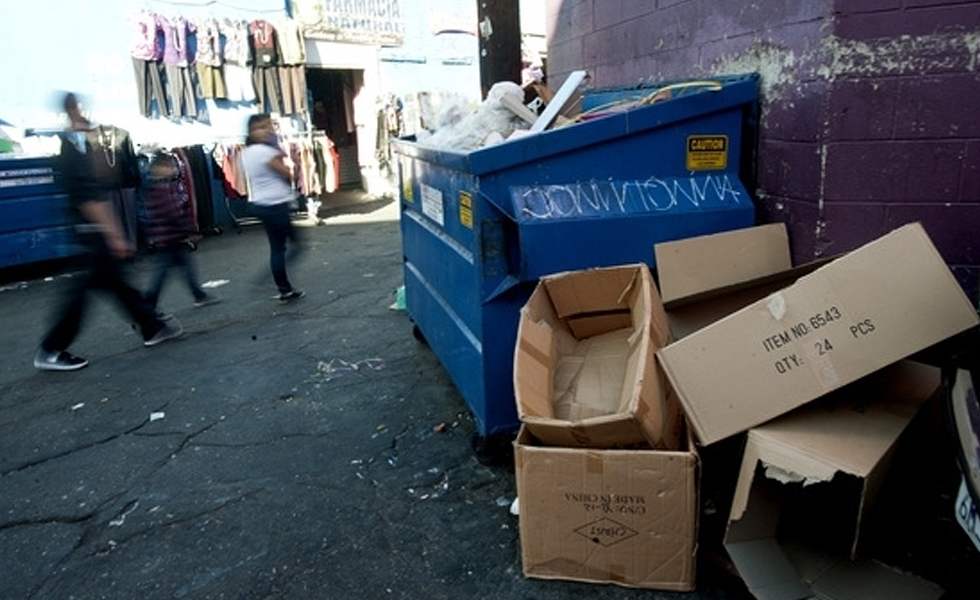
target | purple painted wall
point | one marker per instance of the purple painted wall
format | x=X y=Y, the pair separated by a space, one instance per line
x=870 y=113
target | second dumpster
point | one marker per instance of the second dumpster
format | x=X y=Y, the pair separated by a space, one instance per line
x=479 y=228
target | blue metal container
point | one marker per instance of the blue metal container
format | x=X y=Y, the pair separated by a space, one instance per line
x=479 y=228
x=34 y=222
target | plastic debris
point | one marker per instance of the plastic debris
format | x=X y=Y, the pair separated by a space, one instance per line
x=473 y=130
x=156 y=416
x=399 y=299
x=338 y=367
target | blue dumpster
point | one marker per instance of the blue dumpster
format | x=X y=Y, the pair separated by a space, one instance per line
x=479 y=228
x=34 y=222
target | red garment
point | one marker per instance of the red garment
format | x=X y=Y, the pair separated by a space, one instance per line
x=263 y=36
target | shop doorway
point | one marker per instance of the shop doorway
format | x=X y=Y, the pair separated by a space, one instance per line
x=332 y=93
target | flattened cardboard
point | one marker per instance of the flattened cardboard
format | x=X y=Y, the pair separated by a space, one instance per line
x=584 y=368
x=830 y=458
x=850 y=317
x=625 y=517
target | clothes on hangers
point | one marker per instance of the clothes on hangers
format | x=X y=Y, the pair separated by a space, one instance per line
x=146 y=51
x=176 y=61
x=315 y=159
x=237 y=56
x=208 y=61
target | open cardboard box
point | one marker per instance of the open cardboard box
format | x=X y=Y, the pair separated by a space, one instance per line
x=806 y=331
x=705 y=278
x=807 y=484
x=621 y=516
x=584 y=368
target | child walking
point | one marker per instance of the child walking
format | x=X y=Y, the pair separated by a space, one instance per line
x=169 y=228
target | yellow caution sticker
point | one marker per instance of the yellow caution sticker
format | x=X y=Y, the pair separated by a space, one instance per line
x=707 y=152
x=466 y=209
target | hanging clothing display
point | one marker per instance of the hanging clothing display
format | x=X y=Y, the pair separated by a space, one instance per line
x=146 y=51
x=199 y=185
x=176 y=60
x=195 y=185
x=207 y=59
x=316 y=165
x=327 y=161
x=237 y=61
x=265 y=63
x=291 y=47
x=227 y=160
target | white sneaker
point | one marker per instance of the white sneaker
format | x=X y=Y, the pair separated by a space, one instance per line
x=171 y=329
x=58 y=360
x=291 y=296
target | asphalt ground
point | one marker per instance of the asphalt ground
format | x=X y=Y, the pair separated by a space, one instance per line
x=315 y=450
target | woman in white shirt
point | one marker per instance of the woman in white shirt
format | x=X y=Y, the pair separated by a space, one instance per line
x=271 y=194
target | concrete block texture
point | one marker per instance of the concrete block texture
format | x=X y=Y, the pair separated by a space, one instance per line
x=866 y=106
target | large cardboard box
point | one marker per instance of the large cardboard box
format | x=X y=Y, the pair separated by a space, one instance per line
x=808 y=483
x=705 y=278
x=835 y=324
x=621 y=516
x=585 y=372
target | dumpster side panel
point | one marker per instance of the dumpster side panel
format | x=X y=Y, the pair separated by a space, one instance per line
x=454 y=254
x=35 y=223
x=610 y=202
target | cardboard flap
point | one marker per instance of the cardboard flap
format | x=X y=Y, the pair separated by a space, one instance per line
x=694 y=265
x=604 y=290
x=533 y=365
x=691 y=313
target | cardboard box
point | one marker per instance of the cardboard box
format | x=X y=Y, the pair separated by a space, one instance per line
x=689 y=267
x=705 y=278
x=585 y=372
x=965 y=416
x=807 y=484
x=623 y=516
x=843 y=320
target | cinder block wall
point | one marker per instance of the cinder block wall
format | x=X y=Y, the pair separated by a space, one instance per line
x=870 y=108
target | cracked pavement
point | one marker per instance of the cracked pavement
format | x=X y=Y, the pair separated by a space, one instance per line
x=314 y=450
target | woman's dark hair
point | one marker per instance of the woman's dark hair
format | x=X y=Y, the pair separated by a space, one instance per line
x=70 y=102
x=253 y=121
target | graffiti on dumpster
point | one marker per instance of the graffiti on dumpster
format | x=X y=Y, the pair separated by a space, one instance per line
x=615 y=198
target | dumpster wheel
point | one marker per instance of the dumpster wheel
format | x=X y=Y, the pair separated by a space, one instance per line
x=418 y=335
x=493 y=450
